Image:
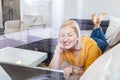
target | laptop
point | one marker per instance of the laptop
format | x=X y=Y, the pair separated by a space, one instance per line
x=20 y=72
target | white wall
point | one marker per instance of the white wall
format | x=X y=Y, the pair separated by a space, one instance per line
x=80 y=5
x=70 y=9
x=66 y=9
x=111 y=7
x=84 y=8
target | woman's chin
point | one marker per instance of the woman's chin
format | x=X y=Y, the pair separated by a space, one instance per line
x=68 y=47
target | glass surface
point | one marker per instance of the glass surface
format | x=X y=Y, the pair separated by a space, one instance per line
x=17 y=72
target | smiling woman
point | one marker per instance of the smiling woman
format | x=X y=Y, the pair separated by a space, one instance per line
x=76 y=50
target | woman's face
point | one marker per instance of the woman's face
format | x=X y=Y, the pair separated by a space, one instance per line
x=68 y=37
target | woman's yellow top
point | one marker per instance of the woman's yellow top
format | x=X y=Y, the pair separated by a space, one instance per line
x=86 y=56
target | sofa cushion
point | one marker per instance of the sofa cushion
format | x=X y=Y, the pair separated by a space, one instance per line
x=14 y=26
x=105 y=67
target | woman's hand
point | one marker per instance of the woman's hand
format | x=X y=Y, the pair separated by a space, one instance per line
x=72 y=70
x=67 y=71
x=59 y=49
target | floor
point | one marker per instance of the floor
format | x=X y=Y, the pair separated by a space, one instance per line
x=42 y=65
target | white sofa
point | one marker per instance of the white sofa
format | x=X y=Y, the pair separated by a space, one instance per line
x=106 y=67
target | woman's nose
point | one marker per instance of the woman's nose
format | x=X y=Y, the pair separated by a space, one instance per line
x=65 y=39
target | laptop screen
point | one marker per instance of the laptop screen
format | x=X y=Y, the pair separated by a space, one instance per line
x=18 y=72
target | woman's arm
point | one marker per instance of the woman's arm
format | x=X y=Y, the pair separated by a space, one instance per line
x=56 y=60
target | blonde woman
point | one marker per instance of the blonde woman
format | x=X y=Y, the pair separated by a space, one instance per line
x=79 y=52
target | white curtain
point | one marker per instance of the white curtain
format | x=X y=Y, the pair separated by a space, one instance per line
x=1 y=20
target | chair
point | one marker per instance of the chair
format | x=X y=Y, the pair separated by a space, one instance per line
x=14 y=26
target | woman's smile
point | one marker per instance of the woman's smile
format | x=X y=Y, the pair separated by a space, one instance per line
x=67 y=43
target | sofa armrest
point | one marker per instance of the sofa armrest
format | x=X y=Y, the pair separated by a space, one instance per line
x=105 y=67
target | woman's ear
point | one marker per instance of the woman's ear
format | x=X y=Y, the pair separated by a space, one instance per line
x=77 y=40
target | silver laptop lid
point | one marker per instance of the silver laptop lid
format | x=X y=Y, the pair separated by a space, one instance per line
x=20 y=72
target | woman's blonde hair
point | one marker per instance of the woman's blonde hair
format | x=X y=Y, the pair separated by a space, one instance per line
x=73 y=24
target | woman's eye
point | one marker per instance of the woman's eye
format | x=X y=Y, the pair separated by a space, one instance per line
x=70 y=35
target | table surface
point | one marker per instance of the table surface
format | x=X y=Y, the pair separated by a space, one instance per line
x=25 y=57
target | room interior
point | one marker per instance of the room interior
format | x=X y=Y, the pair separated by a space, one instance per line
x=32 y=27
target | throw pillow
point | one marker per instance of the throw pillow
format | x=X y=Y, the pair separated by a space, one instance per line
x=115 y=38
x=113 y=25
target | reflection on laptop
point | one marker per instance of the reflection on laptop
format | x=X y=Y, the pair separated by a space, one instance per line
x=20 y=72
